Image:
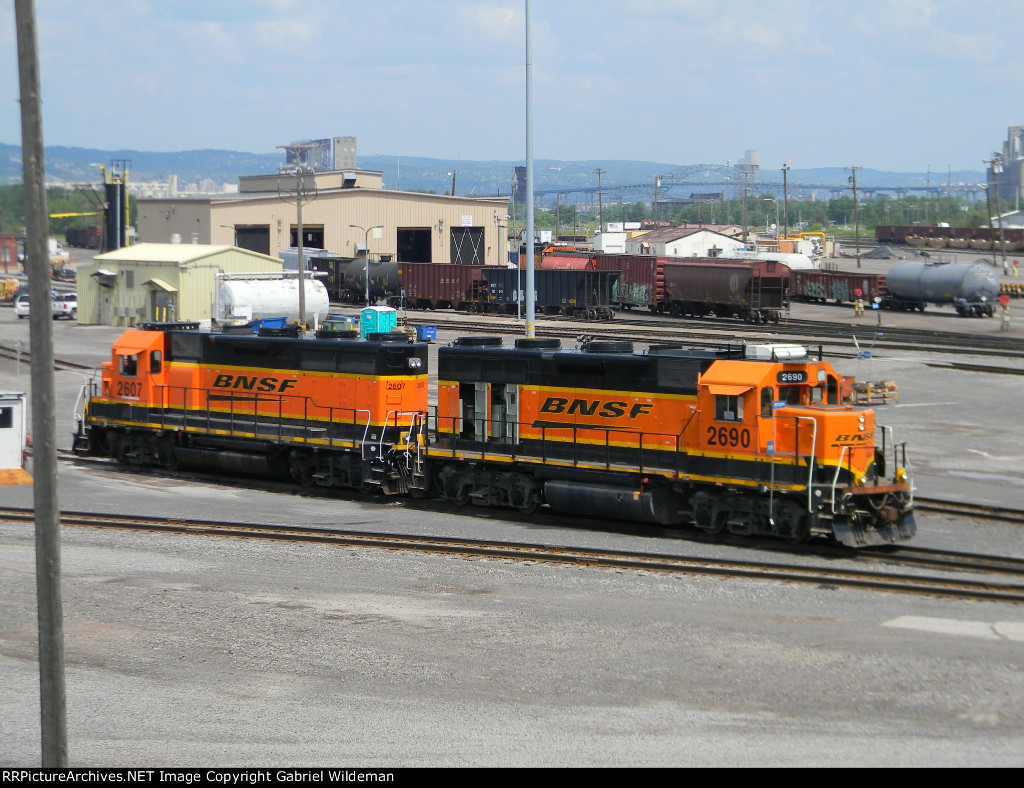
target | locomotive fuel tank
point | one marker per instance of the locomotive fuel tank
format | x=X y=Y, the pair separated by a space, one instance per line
x=942 y=283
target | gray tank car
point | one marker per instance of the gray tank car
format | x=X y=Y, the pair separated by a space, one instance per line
x=972 y=288
x=384 y=280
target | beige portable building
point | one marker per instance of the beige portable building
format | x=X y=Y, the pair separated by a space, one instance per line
x=160 y=282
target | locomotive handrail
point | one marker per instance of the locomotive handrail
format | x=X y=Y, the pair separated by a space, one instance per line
x=511 y=449
x=835 y=479
x=810 y=458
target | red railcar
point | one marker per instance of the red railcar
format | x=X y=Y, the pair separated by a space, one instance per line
x=438 y=285
x=641 y=280
x=565 y=260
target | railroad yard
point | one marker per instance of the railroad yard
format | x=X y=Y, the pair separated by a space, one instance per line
x=346 y=628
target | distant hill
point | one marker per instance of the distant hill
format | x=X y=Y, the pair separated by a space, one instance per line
x=482 y=178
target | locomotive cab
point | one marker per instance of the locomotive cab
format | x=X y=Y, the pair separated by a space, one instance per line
x=136 y=367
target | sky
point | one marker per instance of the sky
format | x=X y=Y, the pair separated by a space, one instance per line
x=899 y=85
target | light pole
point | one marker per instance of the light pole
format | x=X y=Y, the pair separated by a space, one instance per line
x=366 y=251
x=785 y=200
x=233 y=230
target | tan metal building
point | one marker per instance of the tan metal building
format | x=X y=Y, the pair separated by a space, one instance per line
x=263 y=217
x=160 y=282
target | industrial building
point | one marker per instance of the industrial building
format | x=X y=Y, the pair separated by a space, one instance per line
x=160 y=282
x=343 y=211
x=683 y=242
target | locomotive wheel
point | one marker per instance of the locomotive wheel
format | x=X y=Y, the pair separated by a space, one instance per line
x=799 y=531
x=302 y=471
x=461 y=498
x=170 y=459
x=529 y=507
x=718 y=522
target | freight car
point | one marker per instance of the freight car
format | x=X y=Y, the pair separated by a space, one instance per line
x=972 y=289
x=437 y=286
x=331 y=266
x=837 y=286
x=750 y=440
x=757 y=291
x=580 y=294
x=84 y=237
x=955 y=237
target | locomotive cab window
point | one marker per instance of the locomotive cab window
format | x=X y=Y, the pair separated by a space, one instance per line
x=129 y=366
x=790 y=395
x=767 y=402
x=155 y=361
x=728 y=407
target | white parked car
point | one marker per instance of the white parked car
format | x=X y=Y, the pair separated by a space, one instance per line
x=62 y=305
x=65 y=305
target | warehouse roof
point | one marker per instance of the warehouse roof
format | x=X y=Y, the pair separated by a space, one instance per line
x=172 y=253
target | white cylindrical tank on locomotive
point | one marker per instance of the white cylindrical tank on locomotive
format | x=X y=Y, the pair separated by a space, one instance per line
x=252 y=299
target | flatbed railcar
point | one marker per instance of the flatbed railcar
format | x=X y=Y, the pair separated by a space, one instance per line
x=748 y=440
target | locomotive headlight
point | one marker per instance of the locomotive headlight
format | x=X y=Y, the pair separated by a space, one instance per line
x=861 y=427
x=901 y=474
x=415 y=363
x=863 y=481
x=861 y=419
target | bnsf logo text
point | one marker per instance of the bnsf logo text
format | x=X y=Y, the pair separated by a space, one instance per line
x=594 y=407
x=863 y=437
x=252 y=383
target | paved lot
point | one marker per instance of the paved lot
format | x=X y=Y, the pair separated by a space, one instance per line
x=187 y=651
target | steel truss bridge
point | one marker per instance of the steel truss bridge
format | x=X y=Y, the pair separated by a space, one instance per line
x=730 y=182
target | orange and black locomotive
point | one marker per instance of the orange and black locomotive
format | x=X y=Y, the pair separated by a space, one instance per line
x=749 y=440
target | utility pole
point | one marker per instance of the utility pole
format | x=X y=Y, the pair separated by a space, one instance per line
x=298 y=149
x=927 y=192
x=52 y=690
x=531 y=300
x=785 y=200
x=654 y=205
x=558 y=208
x=600 y=201
x=996 y=167
x=856 y=220
x=746 y=175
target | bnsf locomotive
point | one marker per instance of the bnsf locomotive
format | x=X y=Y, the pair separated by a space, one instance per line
x=748 y=440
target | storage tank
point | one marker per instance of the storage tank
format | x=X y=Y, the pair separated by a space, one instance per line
x=792 y=260
x=252 y=299
x=961 y=284
x=384 y=279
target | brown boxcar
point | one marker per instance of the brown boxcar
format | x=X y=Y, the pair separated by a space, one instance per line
x=437 y=285
x=641 y=278
x=755 y=290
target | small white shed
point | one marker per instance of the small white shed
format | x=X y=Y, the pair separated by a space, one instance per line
x=13 y=432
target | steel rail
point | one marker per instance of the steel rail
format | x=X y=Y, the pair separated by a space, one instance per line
x=534 y=553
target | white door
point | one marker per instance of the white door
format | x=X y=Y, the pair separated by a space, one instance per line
x=12 y=432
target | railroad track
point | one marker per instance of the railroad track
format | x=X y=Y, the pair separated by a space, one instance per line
x=969 y=510
x=715 y=333
x=658 y=563
x=23 y=355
